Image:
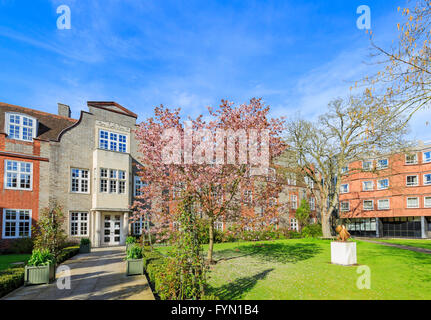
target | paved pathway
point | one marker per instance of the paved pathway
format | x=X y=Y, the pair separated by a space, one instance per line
x=99 y=275
x=400 y=246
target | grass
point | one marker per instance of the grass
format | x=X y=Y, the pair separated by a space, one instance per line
x=301 y=269
x=7 y=259
x=426 y=244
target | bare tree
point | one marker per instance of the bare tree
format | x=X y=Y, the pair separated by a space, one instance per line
x=350 y=130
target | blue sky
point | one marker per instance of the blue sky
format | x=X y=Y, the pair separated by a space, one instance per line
x=296 y=55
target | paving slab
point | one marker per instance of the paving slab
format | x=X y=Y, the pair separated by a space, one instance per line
x=99 y=275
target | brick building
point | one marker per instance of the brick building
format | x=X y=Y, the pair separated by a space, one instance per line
x=389 y=196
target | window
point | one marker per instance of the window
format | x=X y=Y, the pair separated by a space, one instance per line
x=368 y=205
x=112 y=141
x=412 y=181
x=20 y=127
x=18 y=175
x=427 y=156
x=411 y=158
x=309 y=182
x=427 y=178
x=383 y=204
x=427 y=202
x=294 y=201
x=16 y=223
x=139 y=225
x=291 y=179
x=248 y=196
x=293 y=224
x=367 y=185
x=312 y=204
x=80 y=179
x=345 y=170
x=413 y=202
x=218 y=226
x=382 y=164
x=138 y=186
x=344 y=206
x=344 y=188
x=79 y=224
x=366 y=165
x=115 y=182
x=383 y=184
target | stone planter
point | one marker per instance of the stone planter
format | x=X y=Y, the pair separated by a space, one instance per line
x=86 y=248
x=343 y=253
x=39 y=275
x=134 y=267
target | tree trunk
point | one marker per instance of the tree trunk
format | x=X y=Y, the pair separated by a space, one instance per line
x=211 y=244
x=326 y=226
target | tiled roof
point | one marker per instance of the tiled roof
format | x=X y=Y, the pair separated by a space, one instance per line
x=49 y=125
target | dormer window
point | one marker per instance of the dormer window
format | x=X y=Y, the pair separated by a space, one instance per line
x=112 y=141
x=20 y=127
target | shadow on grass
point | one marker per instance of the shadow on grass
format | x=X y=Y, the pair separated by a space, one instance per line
x=236 y=289
x=271 y=252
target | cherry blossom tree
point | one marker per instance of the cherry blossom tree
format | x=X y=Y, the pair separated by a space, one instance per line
x=205 y=159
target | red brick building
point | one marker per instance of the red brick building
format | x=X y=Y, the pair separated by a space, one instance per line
x=389 y=196
x=24 y=152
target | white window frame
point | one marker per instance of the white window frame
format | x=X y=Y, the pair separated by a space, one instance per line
x=309 y=182
x=371 y=165
x=372 y=205
x=344 y=209
x=79 y=221
x=412 y=163
x=379 y=167
x=427 y=174
x=293 y=224
x=139 y=223
x=218 y=225
x=378 y=184
x=425 y=202
x=18 y=173
x=294 y=201
x=416 y=207
x=17 y=222
x=347 y=189
x=20 y=126
x=412 y=185
x=116 y=181
x=312 y=204
x=423 y=157
x=345 y=170
x=379 y=207
x=138 y=185
x=110 y=141
x=80 y=180
x=363 y=185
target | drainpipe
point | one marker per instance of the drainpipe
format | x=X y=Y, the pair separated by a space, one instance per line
x=378 y=235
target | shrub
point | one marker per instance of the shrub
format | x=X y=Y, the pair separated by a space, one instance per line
x=67 y=253
x=312 y=231
x=22 y=245
x=85 y=242
x=134 y=252
x=41 y=257
x=10 y=279
x=130 y=240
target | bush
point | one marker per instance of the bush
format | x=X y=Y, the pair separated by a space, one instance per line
x=85 y=242
x=67 y=253
x=130 y=240
x=312 y=231
x=22 y=245
x=134 y=252
x=154 y=265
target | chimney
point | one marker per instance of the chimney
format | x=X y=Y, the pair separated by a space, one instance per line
x=64 y=110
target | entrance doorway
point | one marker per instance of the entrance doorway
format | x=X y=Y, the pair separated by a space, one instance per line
x=111 y=230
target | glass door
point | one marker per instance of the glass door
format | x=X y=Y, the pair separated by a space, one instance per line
x=111 y=230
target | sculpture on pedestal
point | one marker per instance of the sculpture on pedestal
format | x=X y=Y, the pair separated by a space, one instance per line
x=343 y=234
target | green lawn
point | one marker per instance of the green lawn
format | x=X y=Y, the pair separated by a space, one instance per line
x=7 y=259
x=301 y=269
x=419 y=243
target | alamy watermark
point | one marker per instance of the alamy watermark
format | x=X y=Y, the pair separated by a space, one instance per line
x=364 y=20
x=224 y=147
x=63 y=280
x=64 y=21
x=364 y=280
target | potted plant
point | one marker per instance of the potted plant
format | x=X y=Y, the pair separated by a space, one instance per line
x=85 y=246
x=130 y=241
x=40 y=267
x=134 y=261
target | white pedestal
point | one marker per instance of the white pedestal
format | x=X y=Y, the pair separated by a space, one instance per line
x=343 y=253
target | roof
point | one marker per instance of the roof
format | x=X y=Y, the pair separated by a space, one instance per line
x=49 y=125
x=111 y=106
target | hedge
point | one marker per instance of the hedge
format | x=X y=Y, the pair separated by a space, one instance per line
x=154 y=264
x=13 y=278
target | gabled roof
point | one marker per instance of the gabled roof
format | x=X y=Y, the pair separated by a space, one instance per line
x=49 y=125
x=111 y=106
